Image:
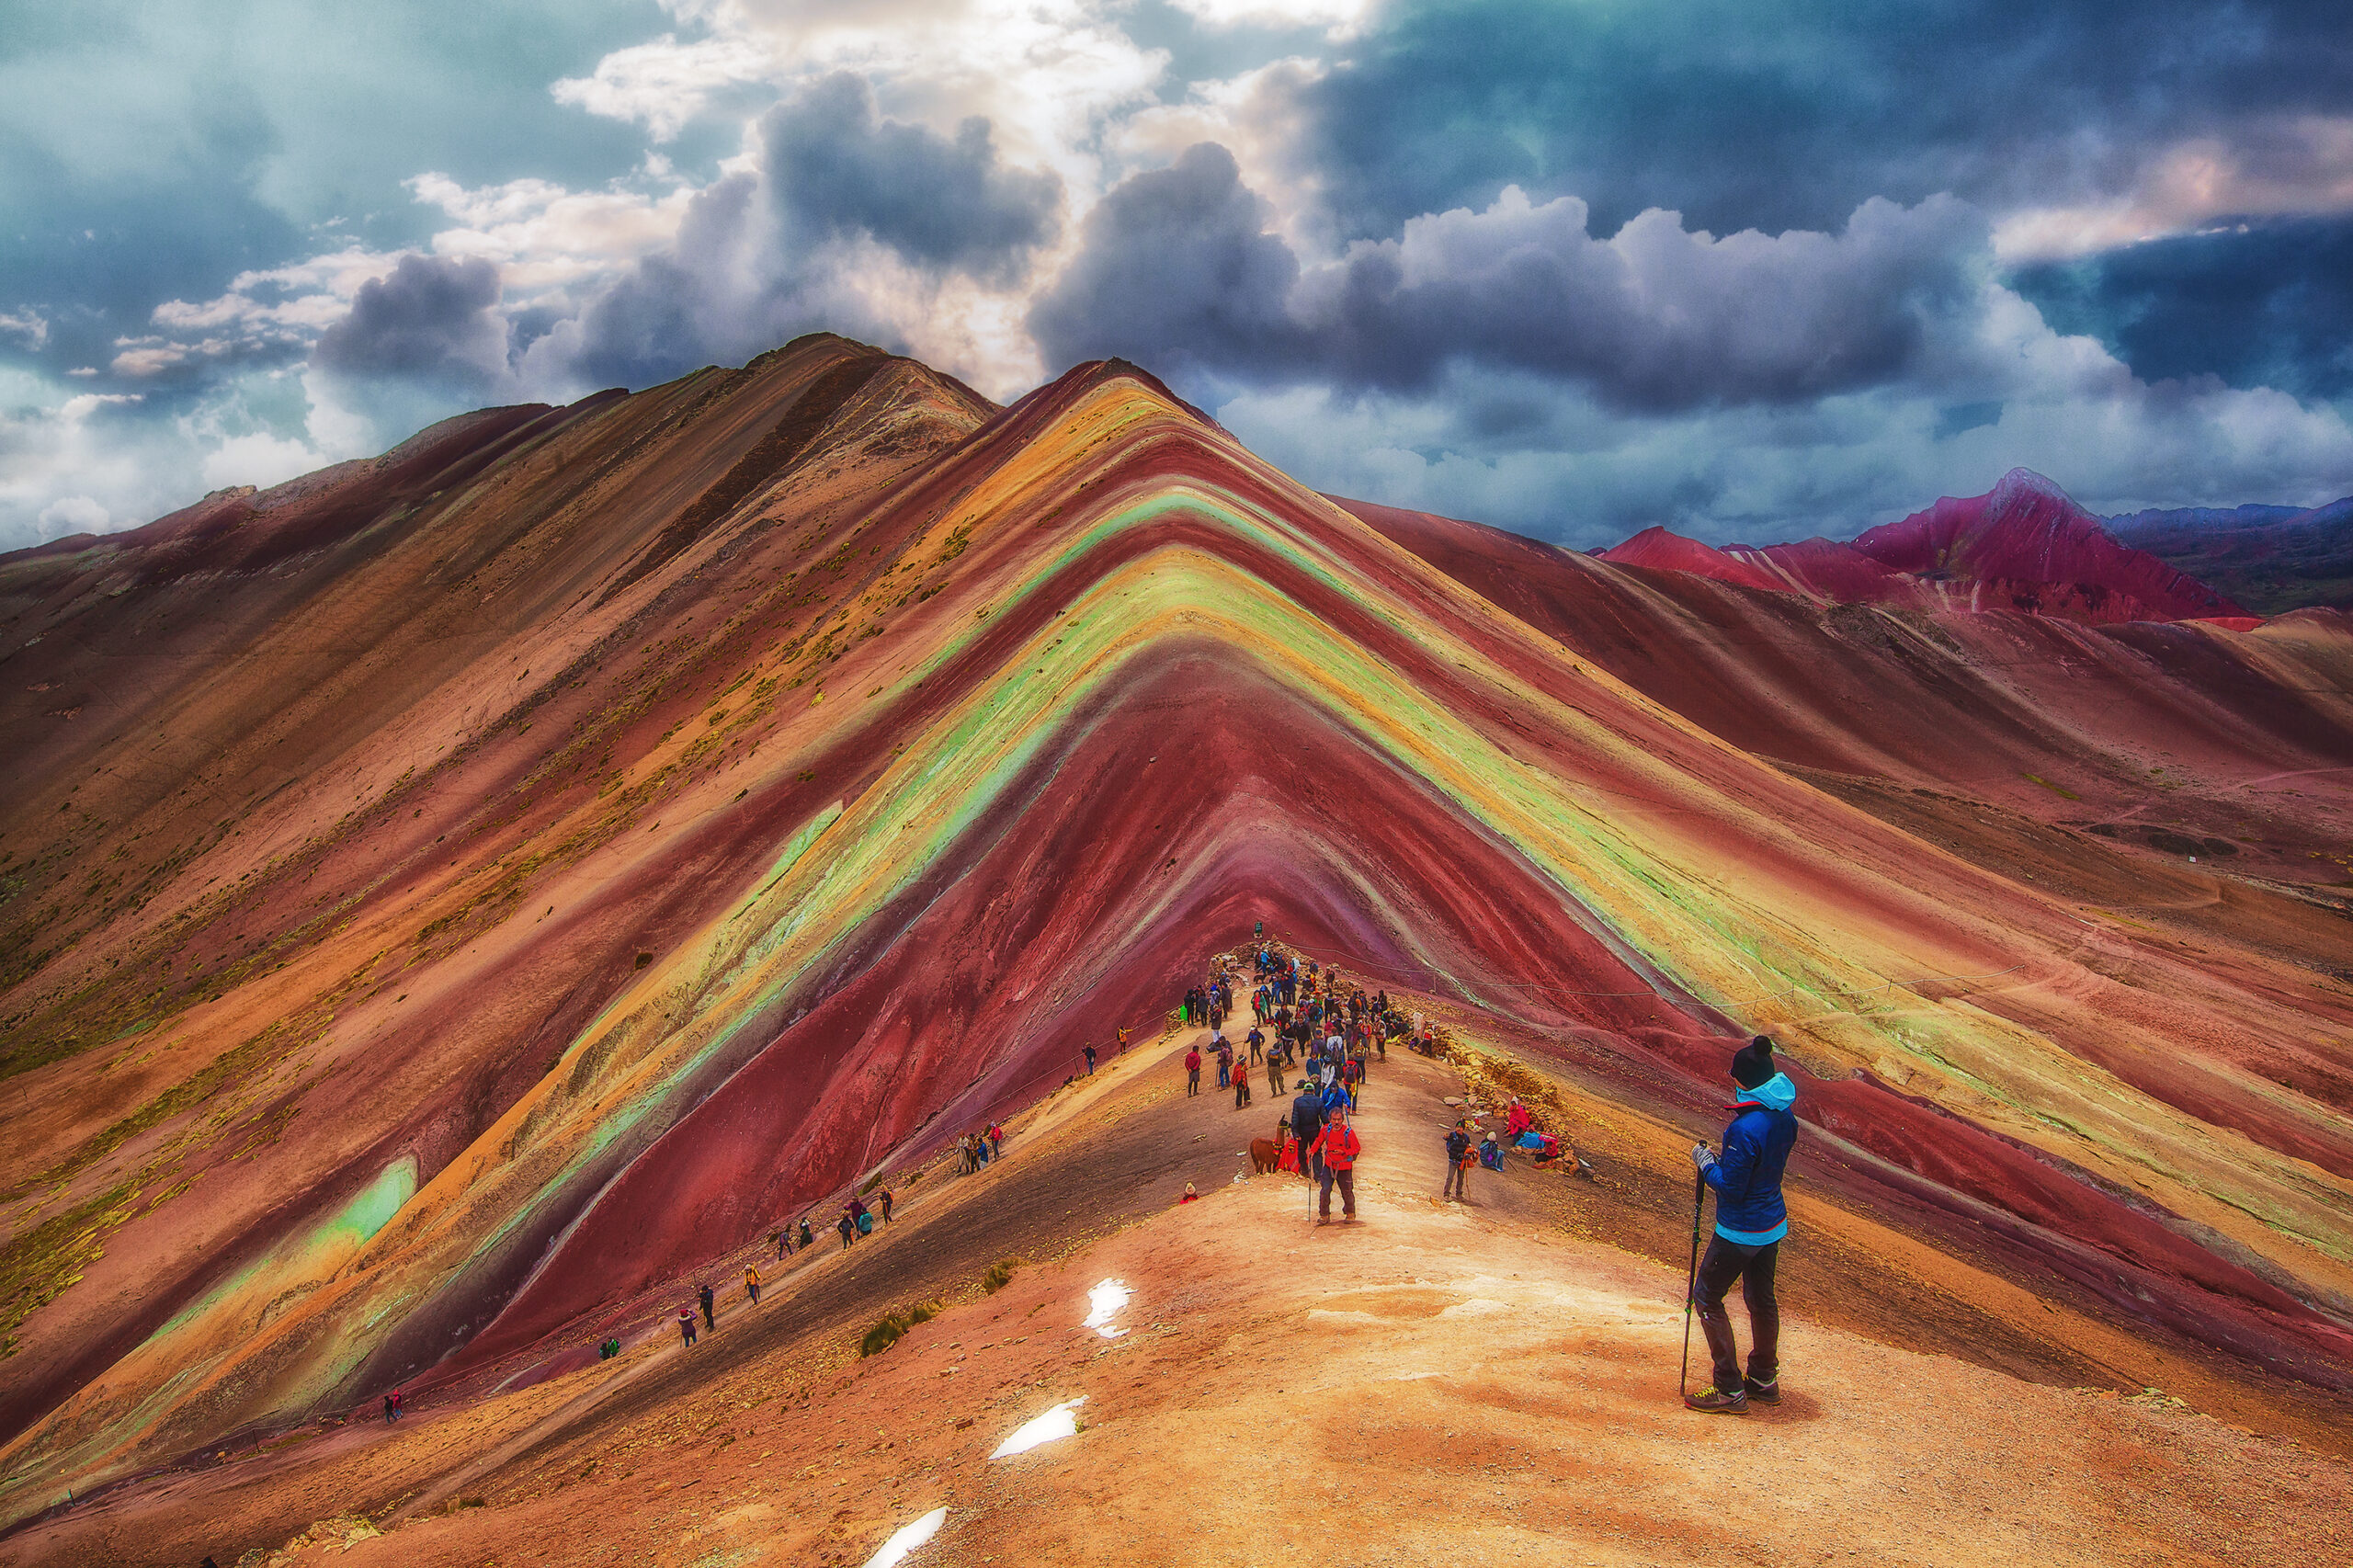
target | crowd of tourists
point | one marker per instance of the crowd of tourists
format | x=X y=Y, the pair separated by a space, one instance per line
x=1316 y=1037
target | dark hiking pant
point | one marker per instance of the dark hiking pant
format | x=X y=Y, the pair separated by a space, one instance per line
x=1241 y=1090
x=1753 y=1266
x=1347 y=1182
x=687 y=1330
x=1458 y=1181
x=1193 y=1081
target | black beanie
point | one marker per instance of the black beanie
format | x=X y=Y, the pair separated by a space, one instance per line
x=1752 y=1063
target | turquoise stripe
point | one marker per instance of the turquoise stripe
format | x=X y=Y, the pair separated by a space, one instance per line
x=1754 y=1238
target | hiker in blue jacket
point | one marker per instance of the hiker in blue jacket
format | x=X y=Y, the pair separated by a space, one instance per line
x=1751 y=1220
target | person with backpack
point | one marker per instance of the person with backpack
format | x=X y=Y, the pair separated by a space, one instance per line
x=1090 y=1062
x=1459 y=1161
x=1752 y=1219
x=1337 y=1149
x=807 y=1236
x=886 y=1205
x=752 y=1284
x=1306 y=1121
x=782 y=1241
x=864 y=1220
x=846 y=1228
x=1192 y=1071
x=1241 y=1085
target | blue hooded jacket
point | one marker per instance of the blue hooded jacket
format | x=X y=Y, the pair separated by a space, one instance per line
x=1747 y=1179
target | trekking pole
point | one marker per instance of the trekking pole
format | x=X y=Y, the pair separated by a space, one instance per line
x=1691 y=1282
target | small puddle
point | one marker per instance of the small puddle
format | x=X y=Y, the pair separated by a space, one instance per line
x=1050 y=1428
x=907 y=1538
x=1105 y=1302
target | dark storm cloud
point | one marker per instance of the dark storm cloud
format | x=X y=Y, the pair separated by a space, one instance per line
x=1177 y=270
x=2270 y=306
x=433 y=318
x=759 y=260
x=839 y=170
x=1783 y=113
x=681 y=307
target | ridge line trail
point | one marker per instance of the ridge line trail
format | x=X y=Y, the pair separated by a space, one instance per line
x=1431 y=1384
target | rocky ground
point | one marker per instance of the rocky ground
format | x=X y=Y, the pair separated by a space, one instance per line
x=1437 y=1382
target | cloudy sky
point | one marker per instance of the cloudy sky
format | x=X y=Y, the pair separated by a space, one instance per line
x=1752 y=268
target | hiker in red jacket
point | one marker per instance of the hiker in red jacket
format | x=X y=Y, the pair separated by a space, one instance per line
x=1192 y=1071
x=1338 y=1146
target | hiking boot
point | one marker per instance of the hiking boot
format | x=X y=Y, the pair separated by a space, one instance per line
x=1763 y=1393
x=1715 y=1403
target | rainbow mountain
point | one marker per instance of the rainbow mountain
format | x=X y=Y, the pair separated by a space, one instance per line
x=450 y=898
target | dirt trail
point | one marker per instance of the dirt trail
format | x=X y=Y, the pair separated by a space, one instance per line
x=1437 y=1382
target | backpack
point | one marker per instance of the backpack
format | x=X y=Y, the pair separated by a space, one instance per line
x=1458 y=1144
x=866 y=1225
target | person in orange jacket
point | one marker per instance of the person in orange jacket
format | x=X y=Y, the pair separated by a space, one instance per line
x=1338 y=1146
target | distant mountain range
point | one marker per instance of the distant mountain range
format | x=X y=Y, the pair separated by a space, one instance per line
x=2025 y=545
x=2269 y=559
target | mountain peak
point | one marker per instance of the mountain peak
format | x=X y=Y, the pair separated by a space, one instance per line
x=2024 y=482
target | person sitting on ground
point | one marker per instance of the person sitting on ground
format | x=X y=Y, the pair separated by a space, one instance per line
x=1491 y=1154
x=1516 y=1119
x=1752 y=1219
x=1190 y=1195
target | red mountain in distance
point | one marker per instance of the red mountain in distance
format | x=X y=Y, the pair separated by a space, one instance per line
x=2024 y=545
x=1662 y=549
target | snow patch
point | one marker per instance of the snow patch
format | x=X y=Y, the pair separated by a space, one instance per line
x=907 y=1538
x=1052 y=1426
x=1105 y=1302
